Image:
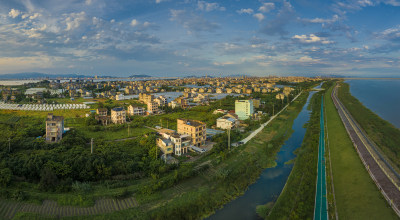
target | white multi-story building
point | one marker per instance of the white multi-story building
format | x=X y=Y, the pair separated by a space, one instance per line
x=244 y=109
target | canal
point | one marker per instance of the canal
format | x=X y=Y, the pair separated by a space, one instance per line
x=272 y=180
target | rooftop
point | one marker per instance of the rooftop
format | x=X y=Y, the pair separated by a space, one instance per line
x=194 y=123
x=118 y=109
x=51 y=117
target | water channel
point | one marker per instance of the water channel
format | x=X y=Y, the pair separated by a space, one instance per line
x=272 y=180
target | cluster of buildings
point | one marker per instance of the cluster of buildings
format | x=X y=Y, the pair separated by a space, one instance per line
x=118 y=90
x=153 y=103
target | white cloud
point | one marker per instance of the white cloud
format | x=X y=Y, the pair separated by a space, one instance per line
x=35 y=15
x=134 y=23
x=74 y=20
x=14 y=13
x=245 y=11
x=159 y=1
x=307 y=59
x=312 y=38
x=146 y=24
x=267 y=7
x=205 y=6
x=321 y=20
x=88 y=2
x=224 y=63
x=259 y=16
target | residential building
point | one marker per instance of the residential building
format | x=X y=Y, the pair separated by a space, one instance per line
x=256 y=103
x=145 y=98
x=195 y=129
x=165 y=146
x=118 y=115
x=102 y=111
x=174 y=104
x=181 y=143
x=182 y=102
x=244 y=108
x=54 y=128
x=161 y=100
x=134 y=110
x=280 y=96
x=152 y=107
x=226 y=122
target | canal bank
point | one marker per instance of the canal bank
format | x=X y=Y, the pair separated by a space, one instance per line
x=272 y=180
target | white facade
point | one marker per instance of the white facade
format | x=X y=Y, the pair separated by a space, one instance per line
x=226 y=123
x=244 y=109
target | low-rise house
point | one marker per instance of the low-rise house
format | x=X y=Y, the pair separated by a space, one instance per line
x=218 y=111
x=181 y=143
x=174 y=104
x=152 y=107
x=165 y=146
x=227 y=122
x=54 y=128
x=161 y=100
x=134 y=110
x=118 y=115
x=256 y=103
x=280 y=96
x=195 y=129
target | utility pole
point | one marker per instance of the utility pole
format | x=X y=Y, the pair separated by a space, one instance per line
x=229 y=139
x=9 y=144
x=91 y=146
x=128 y=130
x=167 y=124
x=273 y=108
x=160 y=122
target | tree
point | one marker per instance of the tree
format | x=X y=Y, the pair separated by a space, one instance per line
x=5 y=177
x=48 y=180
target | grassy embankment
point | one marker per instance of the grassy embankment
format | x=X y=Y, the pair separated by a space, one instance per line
x=297 y=198
x=228 y=177
x=384 y=134
x=356 y=195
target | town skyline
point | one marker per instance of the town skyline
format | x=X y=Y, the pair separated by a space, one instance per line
x=180 y=38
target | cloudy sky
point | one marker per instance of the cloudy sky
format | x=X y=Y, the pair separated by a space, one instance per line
x=177 y=38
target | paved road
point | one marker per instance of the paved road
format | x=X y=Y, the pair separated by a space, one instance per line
x=255 y=132
x=383 y=176
x=321 y=205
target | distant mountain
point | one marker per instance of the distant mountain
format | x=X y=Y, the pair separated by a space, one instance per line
x=140 y=76
x=34 y=75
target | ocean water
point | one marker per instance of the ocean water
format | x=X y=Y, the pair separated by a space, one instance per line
x=382 y=96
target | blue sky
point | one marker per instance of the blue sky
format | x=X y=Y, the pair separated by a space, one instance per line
x=192 y=37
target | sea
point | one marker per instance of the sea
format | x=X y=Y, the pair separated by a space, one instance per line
x=382 y=96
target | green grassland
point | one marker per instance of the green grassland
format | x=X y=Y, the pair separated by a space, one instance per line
x=357 y=197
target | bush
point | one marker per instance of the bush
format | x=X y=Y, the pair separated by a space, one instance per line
x=5 y=177
x=19 y=195
x=81 y=187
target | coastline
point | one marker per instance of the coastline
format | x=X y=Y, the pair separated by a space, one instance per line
x=381 y=131
x=377 y=95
